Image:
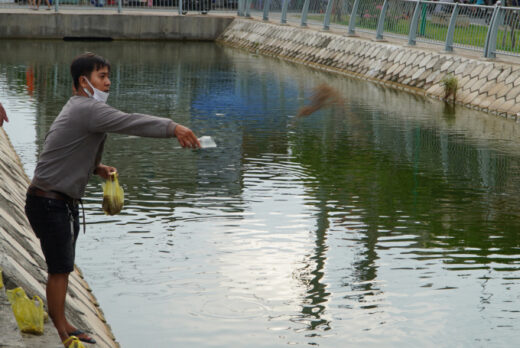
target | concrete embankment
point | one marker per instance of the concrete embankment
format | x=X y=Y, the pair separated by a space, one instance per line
x=23 y=265
x=485 y=85
x=149 y=25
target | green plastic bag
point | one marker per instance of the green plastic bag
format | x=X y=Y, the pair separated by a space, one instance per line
x=28 y=313
x=113 y=196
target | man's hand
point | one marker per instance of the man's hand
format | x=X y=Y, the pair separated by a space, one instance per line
x=186 y=137
x=105 y=171
x=3 y=115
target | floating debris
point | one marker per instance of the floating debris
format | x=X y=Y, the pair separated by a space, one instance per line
x=323 y=96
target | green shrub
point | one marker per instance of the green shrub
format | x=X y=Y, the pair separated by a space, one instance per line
x=450 y=84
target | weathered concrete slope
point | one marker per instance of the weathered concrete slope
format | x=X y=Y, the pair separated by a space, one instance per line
x=486 y=85
x=23 y=264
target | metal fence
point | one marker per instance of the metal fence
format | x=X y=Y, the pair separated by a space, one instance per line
x=488 y=29
x=368 y=15
x=508 y=21
x=471 y=25
x=177 y=6
x=397 y=19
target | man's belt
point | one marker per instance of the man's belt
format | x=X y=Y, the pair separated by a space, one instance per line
x=34 y=191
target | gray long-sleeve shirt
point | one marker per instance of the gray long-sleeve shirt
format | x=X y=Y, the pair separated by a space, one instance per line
x=74 y=144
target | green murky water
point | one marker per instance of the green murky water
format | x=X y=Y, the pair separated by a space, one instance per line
x=391 y=221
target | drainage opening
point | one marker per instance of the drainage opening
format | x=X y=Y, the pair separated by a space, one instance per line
x=86 y=38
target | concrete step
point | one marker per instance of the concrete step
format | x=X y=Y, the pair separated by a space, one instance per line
x=49 y=339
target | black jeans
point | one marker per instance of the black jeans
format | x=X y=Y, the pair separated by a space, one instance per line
x=56 y=223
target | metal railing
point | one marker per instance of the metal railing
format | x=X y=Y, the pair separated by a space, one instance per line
x=508 y=27
x=488 y=29
x=177 y=6
x=470 y=27
x=396 y=22
x=367 y=17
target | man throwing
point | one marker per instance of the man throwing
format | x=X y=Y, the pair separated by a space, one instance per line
x=71 y=154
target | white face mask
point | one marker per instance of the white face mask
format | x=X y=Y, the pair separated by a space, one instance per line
x=98 y=95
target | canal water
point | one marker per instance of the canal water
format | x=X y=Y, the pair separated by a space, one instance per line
x=388 y=221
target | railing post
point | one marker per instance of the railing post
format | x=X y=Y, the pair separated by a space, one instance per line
x=56 y=5
x=352 y=21
x=381 y=22
x=266 y=10
x=328 y=11
x=423 y=20
x=285 y=5
x=305 y=10
x=240 y=6
x=451 y=29
x=499 y=20
x=120 y=6
x=179 y=7
x=491 y=37
x=413 y=25
x=248 y=9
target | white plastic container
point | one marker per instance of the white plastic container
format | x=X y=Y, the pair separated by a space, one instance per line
x=207 y=142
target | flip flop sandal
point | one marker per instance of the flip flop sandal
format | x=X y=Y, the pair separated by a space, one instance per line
x=78 y=333
x=73 y=342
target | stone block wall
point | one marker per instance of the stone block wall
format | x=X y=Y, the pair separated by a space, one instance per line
x=485 y=85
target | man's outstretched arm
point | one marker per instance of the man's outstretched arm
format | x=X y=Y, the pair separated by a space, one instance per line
x=104 y=118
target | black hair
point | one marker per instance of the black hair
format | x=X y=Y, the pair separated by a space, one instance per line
x=85 y=64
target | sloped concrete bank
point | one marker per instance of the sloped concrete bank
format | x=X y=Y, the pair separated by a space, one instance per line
x=23 y=265
x=484 y=85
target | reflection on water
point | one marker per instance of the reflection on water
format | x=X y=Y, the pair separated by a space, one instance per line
x=391 y=220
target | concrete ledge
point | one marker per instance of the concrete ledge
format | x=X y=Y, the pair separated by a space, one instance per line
x=126 y=26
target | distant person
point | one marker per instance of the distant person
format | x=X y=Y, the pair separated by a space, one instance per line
x=71 y=154
x=37 y=6
x=196 y=5
x=98 y=3
x=3 y=115
x=204 y=6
